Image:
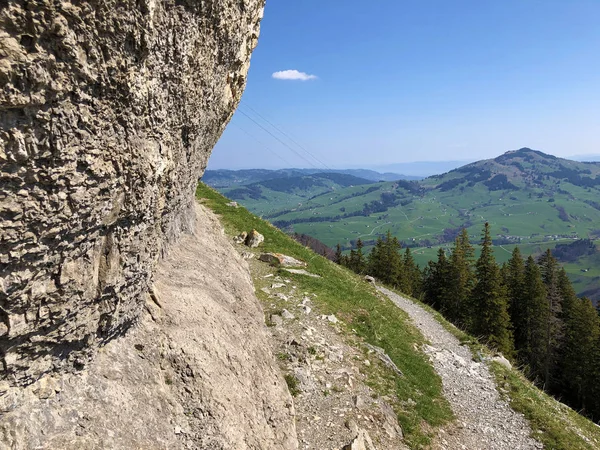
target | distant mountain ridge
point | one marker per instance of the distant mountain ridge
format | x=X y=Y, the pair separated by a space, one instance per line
x=224 y=178
x=421 y=169
x=521 y=168
x=583 y=158
x=532 y=200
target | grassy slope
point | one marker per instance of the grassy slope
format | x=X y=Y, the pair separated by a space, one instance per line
x=554 y=424
x=515 y=213
x=364 y=312
x=426 y=217
x=281 y=197
x=379 y=322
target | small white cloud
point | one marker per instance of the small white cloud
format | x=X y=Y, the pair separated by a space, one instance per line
x=293 y=75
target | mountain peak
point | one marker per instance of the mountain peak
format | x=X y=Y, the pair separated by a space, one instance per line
x=524 y=152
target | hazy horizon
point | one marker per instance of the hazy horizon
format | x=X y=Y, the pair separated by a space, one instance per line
x=412 y=168
x=338 y=84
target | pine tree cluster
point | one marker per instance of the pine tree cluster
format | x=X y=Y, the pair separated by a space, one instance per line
x=386 y=262
x=525 y=309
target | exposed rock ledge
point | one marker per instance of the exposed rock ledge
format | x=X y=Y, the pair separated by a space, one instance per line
x=197 y=372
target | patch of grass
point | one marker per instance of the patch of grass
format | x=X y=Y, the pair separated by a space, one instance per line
x=554 y=424
x=282 y=356
x=292 y=384
x=362 y=313
x=424 y=217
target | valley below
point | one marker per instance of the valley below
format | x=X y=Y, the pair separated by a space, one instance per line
x=531 y=199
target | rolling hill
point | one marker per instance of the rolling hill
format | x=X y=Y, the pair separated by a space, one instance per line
x=531 y=199
x=227 y=178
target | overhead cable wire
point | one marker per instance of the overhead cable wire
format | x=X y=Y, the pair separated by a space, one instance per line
x=284 y=133
x=262 y=144
x=285 y=144
x=245 y=104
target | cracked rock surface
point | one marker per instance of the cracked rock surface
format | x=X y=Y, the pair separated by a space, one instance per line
x=108 y=113
x=196 y=373
x=484 y=420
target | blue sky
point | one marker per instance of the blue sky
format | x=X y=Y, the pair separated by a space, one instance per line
x=428 y=80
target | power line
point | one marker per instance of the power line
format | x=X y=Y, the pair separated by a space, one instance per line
x=285 y=144
x=263 y=145
x=285 y=134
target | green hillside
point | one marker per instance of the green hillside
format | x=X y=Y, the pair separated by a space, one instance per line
x=366 y=316
x=531 y=199
x=222 y=178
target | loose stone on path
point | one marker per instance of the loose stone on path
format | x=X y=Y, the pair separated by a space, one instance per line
x=485 y=421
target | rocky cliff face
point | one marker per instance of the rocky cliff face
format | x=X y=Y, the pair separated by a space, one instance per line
x=108 y=113
x=195 y=372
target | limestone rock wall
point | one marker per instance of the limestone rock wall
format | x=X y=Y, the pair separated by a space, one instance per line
x=108 y=113
x=196 y=372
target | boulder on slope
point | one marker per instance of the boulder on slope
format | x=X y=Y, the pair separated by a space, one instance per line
x=279 y=259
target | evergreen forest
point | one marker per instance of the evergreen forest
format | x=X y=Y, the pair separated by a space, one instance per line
x=525 y=309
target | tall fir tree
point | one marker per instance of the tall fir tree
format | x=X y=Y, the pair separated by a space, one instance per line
x=338 y=254
x=515 y=276
x=592 y=400
x=412 y=275
x=514 y=279
x=350 y=259
x=554 y=326
x=357 y=261
x=579 y=362
x=385 y=261
x=435 y=280
x=530 y=317
x=567 y=293
x=490 y=317
x=375 y=261
x=461 y=281
x=394 y=260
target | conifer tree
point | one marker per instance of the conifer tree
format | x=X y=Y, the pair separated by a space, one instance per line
x=375 y=261
x=579 y=369
x=412 y=275
x=435 y=280
x=385 y=262
x=504 y=276
x=515 y=274
x=567 y=293
x=394 y=261
x=514 y=279
x=350 y=259
x=490 y=300
x=554 y=326
x=338 y=254
x=360 y=257
x=357 y=261
x=592 y=400
x=531 y=316
x=461 y=280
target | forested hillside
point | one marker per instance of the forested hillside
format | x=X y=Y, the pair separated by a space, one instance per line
x=526 y=309
x=532 y=200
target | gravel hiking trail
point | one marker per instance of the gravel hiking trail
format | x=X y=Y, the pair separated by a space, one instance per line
x=483 y=419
